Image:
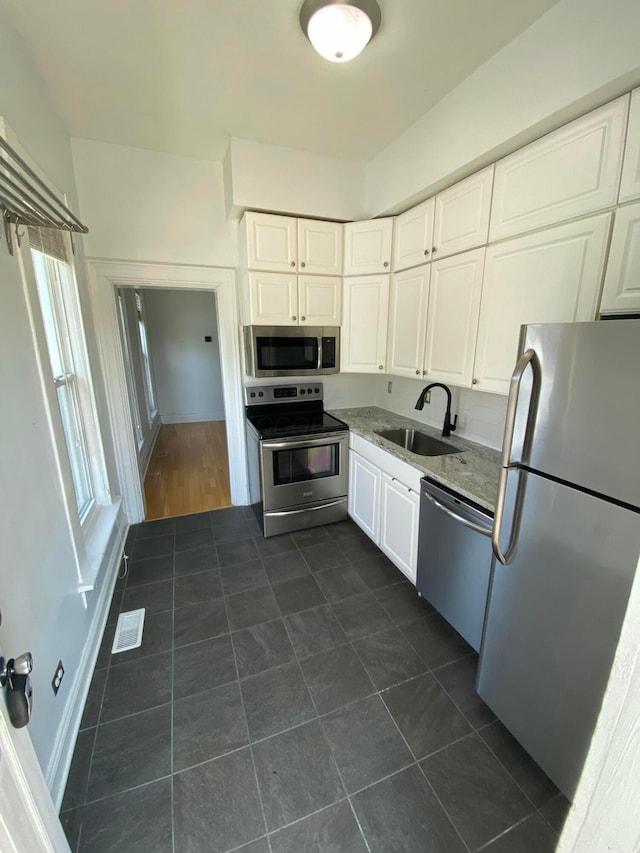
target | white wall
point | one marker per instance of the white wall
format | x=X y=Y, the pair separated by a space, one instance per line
x=145 y=206
x=281 y=180
x=42 y=610
x=577 y=56
x=481 y=416
x=186 y=367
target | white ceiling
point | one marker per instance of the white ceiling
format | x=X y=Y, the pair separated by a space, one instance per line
x=182 y=76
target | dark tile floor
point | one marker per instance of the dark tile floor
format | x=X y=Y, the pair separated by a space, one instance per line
x=291 y=695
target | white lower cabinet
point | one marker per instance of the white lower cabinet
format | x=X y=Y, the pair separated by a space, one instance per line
x=384 y=500
x=399 y=510
x=364 y=495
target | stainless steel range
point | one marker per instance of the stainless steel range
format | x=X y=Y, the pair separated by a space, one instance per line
x=298 y=458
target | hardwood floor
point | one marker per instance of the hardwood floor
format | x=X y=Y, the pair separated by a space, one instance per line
x=188 y=471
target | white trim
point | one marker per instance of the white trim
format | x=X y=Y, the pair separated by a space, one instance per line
x=28 y=818
x=104 y=276
x=65 y=742
x=197 y=417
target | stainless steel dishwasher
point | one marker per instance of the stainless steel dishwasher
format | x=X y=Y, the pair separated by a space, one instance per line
x=454 y=558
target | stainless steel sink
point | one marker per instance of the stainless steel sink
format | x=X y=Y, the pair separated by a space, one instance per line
x=417 y=442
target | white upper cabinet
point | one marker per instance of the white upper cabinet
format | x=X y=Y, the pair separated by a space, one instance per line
x=320 y=247
x=462 y=215
x=364 y=324
x=553 y=276
x=570 y=172
x=273 y=299
x=271 y=242
x=413 y=236
x=452 y=326
x=408 y=321
x=630 y=183
x=621 y=293
x=367 y=246
x=320 y=300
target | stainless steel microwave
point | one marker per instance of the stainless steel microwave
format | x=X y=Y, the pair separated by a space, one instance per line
x=291 y=350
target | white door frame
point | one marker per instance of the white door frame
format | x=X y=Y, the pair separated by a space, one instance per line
x=104 y=277
x=28 y=816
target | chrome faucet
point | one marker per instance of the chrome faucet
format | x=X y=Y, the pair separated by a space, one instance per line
x=448 y=426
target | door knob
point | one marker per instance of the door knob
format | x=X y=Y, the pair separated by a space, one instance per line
x=14 y=675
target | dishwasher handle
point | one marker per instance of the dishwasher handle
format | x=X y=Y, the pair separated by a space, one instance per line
x=478 y=528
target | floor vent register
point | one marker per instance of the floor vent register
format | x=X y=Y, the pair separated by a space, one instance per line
x=128 y=631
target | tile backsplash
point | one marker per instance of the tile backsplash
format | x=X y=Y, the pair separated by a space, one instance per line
x=481 y=416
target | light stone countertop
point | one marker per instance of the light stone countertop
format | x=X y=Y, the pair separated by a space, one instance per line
x=472 y=473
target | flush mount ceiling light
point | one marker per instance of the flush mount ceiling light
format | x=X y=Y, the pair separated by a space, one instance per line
x=340 y=31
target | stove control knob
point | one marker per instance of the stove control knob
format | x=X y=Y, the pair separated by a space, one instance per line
x=260 y=394
x=302 y=391
x=309 y=390
x=317 y=390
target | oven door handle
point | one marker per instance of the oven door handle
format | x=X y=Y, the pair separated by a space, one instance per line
x=271 y=513
x=289 y=444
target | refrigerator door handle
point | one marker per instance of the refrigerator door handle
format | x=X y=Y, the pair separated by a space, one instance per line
x=528 y=358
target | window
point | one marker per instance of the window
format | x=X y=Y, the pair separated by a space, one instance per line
x=152 y=408
x=57 y=296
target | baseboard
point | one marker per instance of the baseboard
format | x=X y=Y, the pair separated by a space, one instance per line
x=193 y=418
x=64 y=745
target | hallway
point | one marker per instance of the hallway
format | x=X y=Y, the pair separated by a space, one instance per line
x=188 y=471
x=291 y=695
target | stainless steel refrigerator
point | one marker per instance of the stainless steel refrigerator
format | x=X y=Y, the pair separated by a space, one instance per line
x=566 y=537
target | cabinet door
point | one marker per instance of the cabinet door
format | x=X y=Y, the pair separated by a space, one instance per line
x=364 y=495
x=271 y=242
x=273 y=299
x=553 y=276
x=399 y=512
x=630 y=183
x=462 y=215
x=320 y=300
x=412 y=236
x=364 y=324
x=452 y=324
x=367 y=246
x=567 y=173
x=621 y=292
x=408 y=321
x=320 y=247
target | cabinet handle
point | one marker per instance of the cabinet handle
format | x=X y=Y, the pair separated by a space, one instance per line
x=434 y=248
x=385 y=264
x=303 y=264
x=426 y=251
x=424 y=372
x=303 y=318
x=293 y=263
x=380 y=367
x=474 y=381
x=294 y=317
x=417 y=373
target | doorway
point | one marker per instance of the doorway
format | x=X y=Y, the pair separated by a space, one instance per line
x=174 y=378
x=105 y=277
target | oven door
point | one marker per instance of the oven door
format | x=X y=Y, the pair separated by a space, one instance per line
x=304 y=470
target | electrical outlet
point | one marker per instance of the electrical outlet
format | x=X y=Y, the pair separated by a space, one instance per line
x=427 y=397
x=57 y=678
x=389 y=386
